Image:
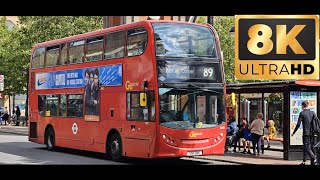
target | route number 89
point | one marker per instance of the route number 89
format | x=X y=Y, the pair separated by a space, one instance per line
x=207 y=72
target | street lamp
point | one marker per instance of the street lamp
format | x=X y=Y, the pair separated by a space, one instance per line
x=232 y=32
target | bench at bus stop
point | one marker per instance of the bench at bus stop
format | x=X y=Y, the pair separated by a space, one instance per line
x=276 y=139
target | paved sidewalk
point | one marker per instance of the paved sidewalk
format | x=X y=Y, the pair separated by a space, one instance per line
x=21 y=130
x=268 y=158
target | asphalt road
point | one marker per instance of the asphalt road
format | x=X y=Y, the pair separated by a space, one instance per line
x=16 y=149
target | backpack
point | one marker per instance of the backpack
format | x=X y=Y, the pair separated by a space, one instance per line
x=315 y=124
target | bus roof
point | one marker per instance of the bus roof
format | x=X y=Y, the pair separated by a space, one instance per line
x=106 y=30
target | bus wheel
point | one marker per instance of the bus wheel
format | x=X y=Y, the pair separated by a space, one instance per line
x=115 y=147
x=50 y=139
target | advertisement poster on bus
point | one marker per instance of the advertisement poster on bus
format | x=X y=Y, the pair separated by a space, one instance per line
x=92 y=94
x=91 y=79
x=296 y=99
x=110 y=76
x=60 y=79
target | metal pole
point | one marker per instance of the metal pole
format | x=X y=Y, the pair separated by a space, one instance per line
x=195 y=110
x=192 y=19
x=210 y=20
x=27 y=99
x=9 y=111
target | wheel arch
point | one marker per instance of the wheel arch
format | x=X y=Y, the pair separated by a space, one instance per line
x=45 y=131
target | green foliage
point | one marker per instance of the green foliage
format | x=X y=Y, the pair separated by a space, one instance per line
x=201 y=20
x=274 y=97
x=222 y=25
x=16 y=44
x=10 y=54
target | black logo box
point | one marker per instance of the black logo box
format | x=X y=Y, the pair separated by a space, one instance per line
x=306 y=38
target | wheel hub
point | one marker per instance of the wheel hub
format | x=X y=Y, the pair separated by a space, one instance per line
x=50 y=139
x=115 y=147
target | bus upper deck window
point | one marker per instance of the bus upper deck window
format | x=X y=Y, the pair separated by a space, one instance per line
x=94 y=48
x=76 y=52
x=52 y=55
x=38 y=58
x=115 y=45
x=136 y=42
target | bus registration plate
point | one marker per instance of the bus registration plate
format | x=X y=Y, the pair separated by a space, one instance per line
x=194 y=153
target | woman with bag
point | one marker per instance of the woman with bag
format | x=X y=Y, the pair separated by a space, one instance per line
x=246 y=140
x=240 y=133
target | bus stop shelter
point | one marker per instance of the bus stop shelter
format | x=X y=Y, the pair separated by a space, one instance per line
x=280 y=101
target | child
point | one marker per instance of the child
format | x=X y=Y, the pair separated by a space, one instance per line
x=271 y=133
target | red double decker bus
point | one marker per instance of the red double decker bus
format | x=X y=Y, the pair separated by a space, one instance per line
x=148 y=89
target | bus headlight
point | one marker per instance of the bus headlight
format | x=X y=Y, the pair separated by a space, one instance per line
x=169 y=140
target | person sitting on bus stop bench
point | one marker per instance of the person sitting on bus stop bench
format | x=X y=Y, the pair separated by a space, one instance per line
x=240 y=133
x=231 y=131
x=271 y=133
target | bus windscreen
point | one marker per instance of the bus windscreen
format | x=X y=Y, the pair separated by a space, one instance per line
x=184 y=40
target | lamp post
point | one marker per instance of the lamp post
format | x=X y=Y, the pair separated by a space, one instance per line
x=210 y=20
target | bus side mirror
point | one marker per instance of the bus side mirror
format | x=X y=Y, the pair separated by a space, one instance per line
x=143 y=99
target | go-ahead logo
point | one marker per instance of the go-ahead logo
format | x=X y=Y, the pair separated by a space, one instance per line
x=277 y=47
x=194 y=134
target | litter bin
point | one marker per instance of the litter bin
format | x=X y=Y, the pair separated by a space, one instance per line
x=317 y=152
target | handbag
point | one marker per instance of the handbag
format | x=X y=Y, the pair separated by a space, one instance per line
x=247 y=134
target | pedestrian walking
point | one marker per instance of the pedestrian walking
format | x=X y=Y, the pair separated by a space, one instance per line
x=5 y=115
x=306 y=117
x=18 y=113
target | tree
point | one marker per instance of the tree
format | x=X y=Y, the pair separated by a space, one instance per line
x=11 y=67
x=16 y=44
x=222 y=25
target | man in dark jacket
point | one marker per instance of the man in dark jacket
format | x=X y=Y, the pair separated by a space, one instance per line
x=18 y=114
x=305 y=117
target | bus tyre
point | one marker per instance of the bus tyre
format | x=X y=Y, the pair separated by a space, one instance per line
x=114 y=148
x=50 y=139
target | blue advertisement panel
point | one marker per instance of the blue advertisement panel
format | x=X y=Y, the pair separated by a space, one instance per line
x=75 y=78
x=111 y=75
x=57 y=79
x=107 y=75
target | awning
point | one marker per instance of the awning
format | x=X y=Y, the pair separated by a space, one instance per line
x=308 y=82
